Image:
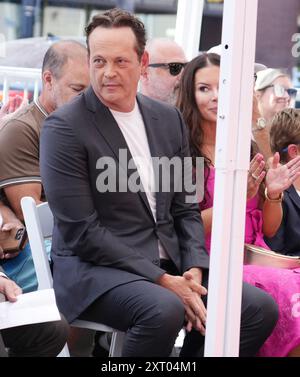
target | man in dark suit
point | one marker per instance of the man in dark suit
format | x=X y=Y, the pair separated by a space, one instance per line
x=132 y=259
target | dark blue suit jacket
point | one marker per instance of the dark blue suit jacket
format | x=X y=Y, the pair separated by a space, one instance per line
x=102 y=240
x=287 y=238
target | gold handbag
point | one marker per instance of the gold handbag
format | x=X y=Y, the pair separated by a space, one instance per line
x=263 y=257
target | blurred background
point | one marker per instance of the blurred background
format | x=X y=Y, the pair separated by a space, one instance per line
x=28 y=27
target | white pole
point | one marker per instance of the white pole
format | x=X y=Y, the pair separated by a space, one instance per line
x=232 y=162
x=188 y=26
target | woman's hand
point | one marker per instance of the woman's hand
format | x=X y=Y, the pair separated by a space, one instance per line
x=280 y=177
x=256 y=175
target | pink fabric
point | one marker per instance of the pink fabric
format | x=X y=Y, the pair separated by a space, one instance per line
x=282 y=284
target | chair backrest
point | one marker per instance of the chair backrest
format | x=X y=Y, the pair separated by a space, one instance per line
x=39 y=224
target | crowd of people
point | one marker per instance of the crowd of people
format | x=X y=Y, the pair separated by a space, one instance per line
x=138 y=260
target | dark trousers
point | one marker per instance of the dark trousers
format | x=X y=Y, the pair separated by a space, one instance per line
x=37 y=340
x=152 y=316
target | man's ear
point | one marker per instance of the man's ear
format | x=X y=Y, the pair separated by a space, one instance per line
x=293 y=151
x=144 y=64
x=47 y=79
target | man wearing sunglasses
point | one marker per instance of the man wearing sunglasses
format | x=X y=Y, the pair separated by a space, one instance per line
x=161 y=78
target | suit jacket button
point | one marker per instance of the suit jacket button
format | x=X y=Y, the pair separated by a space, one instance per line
x=156 y=262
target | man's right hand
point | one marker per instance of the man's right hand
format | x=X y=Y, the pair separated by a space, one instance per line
x=9 y=288
x=4 y=234
x=190 y=292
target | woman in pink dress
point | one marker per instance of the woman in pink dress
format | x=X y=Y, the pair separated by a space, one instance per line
x=198 y=102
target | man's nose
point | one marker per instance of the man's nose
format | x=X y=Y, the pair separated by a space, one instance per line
x=109 y=71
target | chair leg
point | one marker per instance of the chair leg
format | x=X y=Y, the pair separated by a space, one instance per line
x=116 y=345
x=64 y=352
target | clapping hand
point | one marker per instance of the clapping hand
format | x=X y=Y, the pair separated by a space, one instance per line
x=280 y=177
x=256 y=175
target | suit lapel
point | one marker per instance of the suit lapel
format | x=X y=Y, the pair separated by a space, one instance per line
x=110 y=131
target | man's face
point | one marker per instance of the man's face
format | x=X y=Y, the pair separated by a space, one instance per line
x=114 y=67
x=73 y=80
x=160 y=83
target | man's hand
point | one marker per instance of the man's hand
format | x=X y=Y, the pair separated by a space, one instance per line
x=10 y=289
x=196 y=275
x=189 y=290
x=4 y=235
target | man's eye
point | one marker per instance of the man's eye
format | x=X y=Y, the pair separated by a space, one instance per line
x=99 y=61
x=76 y=89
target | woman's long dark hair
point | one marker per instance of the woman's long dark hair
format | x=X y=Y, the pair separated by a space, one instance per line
x=186 y=103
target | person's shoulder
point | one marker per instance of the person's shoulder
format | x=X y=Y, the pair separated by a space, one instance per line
x=24 y=121
x=70 y=111
x=24 y=115
x=155 y=104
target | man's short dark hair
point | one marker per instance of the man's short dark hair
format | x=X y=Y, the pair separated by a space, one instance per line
x=115 y=18
x=57 y=56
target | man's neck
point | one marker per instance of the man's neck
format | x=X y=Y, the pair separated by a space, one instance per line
x=45 y=104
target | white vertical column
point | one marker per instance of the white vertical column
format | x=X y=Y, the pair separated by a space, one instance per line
x=188 y=26
x=232 y=162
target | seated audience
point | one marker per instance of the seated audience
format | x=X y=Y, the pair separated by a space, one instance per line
x=198 y=101
x=132 y=259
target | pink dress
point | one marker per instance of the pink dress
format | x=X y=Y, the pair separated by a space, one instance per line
x=282 y=284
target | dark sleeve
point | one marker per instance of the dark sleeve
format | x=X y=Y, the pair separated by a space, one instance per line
x=65 y=177
x=186 y=214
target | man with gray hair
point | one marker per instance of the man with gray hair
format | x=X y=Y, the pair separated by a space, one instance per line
x=160 y=80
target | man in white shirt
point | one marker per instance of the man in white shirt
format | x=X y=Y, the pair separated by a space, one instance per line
x=133 y=259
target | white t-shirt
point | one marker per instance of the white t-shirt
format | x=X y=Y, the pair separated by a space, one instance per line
x=133 y=129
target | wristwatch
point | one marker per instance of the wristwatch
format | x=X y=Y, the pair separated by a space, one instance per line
x=261 y=123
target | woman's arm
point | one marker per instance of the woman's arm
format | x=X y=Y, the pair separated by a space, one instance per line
x=278 y=178
x=206 y=215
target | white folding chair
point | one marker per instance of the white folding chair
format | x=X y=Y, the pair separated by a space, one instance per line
x=39 y=224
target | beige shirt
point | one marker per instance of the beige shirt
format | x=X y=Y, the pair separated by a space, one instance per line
x=19 y=146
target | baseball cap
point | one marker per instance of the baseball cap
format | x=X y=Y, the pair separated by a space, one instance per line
x=266 y=77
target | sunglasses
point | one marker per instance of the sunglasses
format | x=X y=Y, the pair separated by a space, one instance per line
x=174 y=68
x=280 y=90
